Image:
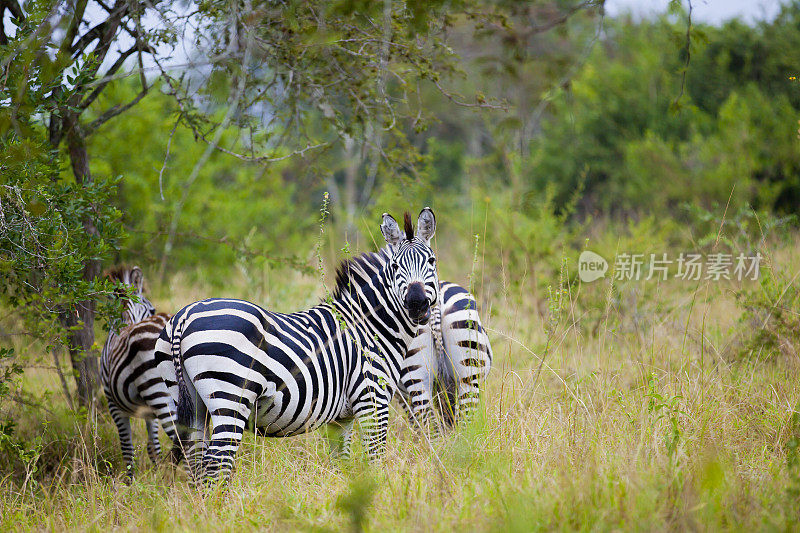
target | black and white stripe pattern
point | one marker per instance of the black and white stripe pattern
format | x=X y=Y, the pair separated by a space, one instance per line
x=133 y=380
x=448 y=360
x=339 y=361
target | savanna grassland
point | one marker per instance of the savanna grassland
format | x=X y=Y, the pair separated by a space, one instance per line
x=610 y=406
x=242 y=148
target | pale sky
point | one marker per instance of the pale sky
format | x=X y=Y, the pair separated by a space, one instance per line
x=710 y=11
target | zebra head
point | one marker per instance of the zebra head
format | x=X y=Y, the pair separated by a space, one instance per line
x=412 y=264
x=135 y=311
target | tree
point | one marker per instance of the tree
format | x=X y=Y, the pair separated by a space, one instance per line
x=267 y=81
x=58 y=58
x=314 y=78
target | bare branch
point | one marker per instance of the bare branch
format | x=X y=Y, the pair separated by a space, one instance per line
x=206 y=154
x=166 y=157
x=457 y=101
x=114 y=111
x=180 y=100
x=89 y=37
x=290 y=261
x=106 y=33
x=64 y=387
x=265 y=158
x=74 y=26
x=113 y=70
x=563 y=18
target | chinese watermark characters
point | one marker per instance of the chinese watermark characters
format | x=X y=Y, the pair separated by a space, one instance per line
x=661 y=267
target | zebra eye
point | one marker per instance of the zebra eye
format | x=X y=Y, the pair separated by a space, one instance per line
x=432 y=261
x=395 y=266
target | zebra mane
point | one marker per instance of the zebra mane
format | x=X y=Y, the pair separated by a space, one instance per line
x=407 y=226
x=357 y=268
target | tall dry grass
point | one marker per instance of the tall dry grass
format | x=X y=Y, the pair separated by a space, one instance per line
x=629 y=406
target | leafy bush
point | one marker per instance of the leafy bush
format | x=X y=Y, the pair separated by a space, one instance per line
x=44 y=243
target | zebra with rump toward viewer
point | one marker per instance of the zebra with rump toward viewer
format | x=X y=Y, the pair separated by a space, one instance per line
x=339 y=361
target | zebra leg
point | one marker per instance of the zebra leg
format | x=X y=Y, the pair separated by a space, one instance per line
x=176 y=453
x=468 y=356
x=166 y=415
x=193 y=448
x=461 y=387
x=374 y=425
x=417 y=379
x=123 y=424
x=373 y=417
x=469 y=397
x=192 y=442
x=226 y=436
x=420 y=413
x=153 y=444
x=471 y=367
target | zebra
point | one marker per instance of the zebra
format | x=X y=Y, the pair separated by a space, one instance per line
x=337 y=362
x=135 y=382
x=447 y=361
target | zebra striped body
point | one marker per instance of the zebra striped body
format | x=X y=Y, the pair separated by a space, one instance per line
x=133 y=380
x=337 y=362
x=427 y=372
x=448 y=360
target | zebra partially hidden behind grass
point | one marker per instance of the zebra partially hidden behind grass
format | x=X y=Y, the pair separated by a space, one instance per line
x=135 y=381
x=337 y=362
x=447 y=362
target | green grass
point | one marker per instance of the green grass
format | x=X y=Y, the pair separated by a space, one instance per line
x=647 y=417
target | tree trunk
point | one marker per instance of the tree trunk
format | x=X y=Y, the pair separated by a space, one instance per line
x=80 y=320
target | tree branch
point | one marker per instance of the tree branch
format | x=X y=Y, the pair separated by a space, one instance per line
x=262 y=158
x=106 y=32
x=456 y=100
x=561 y=19
x=74 y=26
x=232 y=108
x=64 y=387
x=87 y=38
x=110 y=73
x=114 y=111
x=289 y=260
x=166 y=157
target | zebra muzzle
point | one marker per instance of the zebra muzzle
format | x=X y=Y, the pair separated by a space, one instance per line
x=422 y=320
x=417 y=304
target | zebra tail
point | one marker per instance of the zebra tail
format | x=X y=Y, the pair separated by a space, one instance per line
x=185 y=407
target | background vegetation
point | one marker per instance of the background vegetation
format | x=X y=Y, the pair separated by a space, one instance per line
x=535 y=131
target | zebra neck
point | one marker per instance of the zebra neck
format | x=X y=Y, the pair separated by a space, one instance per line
x=372 y=310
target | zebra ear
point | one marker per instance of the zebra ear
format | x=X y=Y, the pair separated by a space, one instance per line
x=426 y=225
x=137 y=279
x=391 y=230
